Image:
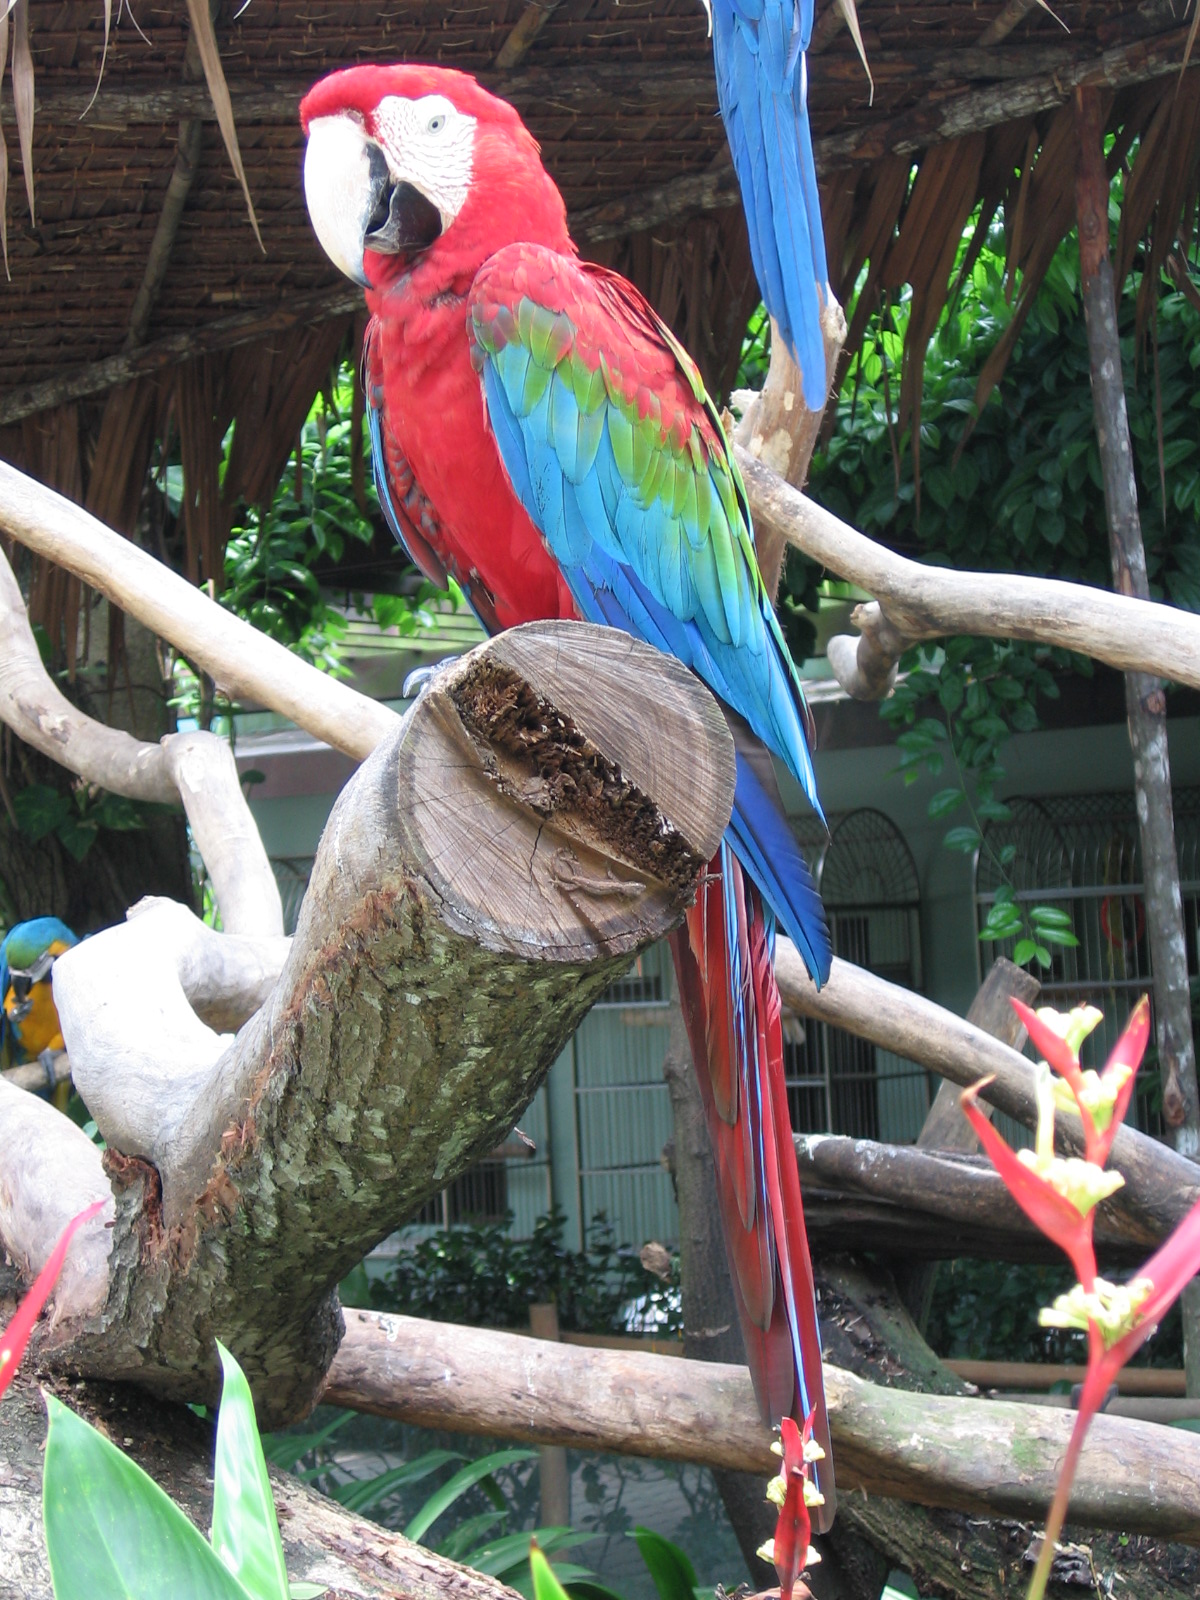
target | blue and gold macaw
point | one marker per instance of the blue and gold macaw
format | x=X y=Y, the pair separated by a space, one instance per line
x=762 y=87
x=27 y=957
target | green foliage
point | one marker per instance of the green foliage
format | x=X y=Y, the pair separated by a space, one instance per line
x=111 y=1530
x=988 y=1311
x=76 y=816
x=958 y=703
x=1024 y=491
x=481 y=1275
x=276 y=553
x=1015 y=488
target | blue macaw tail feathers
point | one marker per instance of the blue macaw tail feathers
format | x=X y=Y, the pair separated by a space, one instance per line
x=767 y=849
x=762 y=86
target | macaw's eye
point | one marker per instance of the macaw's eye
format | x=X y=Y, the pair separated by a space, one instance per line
x=436 y=123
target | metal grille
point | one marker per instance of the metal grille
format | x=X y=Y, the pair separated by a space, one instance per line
x=622 y=1107
x=1081 y=853
x=838 y=1083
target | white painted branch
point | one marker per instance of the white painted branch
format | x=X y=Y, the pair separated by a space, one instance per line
x=205 y=774
x=36 y=710
x=195 y=767
x=51 y=1172
x=243 y=662
x=140 y=1055
x=918 y=602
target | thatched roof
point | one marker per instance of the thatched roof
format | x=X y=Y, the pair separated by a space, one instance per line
x=142 y=255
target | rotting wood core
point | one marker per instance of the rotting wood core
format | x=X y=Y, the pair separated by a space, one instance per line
x=540 y=757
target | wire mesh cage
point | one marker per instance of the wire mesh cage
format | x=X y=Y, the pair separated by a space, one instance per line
x=838 y=1083
x=1081 y=854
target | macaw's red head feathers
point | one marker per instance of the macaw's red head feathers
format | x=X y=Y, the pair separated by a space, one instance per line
x=416 y=163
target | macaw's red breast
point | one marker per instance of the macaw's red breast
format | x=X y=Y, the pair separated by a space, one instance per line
x=434 y=408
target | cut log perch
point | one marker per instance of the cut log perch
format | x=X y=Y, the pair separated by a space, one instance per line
x=544 y=810
x=981 y=1456
x=916 y=602
x=1160 y=1185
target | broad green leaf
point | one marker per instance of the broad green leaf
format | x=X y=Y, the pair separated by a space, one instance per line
x=965 y=839
x=474 y=1472
x=673 y=1574
x=545 y=1585
x=245 y=1532
x=944 y=802
x=1049 y=917
x=111 y=1532
x=1024 y=951
x=501 y=1556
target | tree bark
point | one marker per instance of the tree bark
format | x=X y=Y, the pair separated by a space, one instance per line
x=483 y=877
x=963 y=1192
x=984 y=1457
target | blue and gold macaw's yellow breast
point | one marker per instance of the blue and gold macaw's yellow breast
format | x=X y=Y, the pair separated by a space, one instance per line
x=27 y=957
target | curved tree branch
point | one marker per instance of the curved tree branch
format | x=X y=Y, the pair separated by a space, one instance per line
x=916 y=602
x=197 y=768
x=245 y=663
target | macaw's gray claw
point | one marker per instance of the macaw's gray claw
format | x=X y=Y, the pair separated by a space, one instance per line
x=419 y=678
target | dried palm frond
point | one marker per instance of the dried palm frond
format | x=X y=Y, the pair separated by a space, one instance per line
x=214 y=75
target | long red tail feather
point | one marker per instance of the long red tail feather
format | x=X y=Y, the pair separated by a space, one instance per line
x=732 y=1009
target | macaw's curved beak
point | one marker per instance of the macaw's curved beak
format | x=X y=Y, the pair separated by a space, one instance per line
x=354 y=202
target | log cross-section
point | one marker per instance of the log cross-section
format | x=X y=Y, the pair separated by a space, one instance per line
x=544 y=811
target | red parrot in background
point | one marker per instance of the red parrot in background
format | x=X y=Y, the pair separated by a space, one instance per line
x=540 y=436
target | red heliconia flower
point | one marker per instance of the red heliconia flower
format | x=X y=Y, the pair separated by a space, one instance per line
x=1101 y=1099
x=16 y=1336
x=1050 y=1211
x=793 y=1530
x=793 y=1493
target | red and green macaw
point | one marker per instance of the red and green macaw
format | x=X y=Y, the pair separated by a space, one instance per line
x=541 y=436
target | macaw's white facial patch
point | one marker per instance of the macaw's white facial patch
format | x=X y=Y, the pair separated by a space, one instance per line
x=429 y=143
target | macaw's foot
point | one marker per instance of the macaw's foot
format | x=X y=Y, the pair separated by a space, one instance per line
x=420 y=677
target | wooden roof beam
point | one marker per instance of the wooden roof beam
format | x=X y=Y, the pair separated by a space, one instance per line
x=116 y=109
x=976 y=110
x=1003 y=24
